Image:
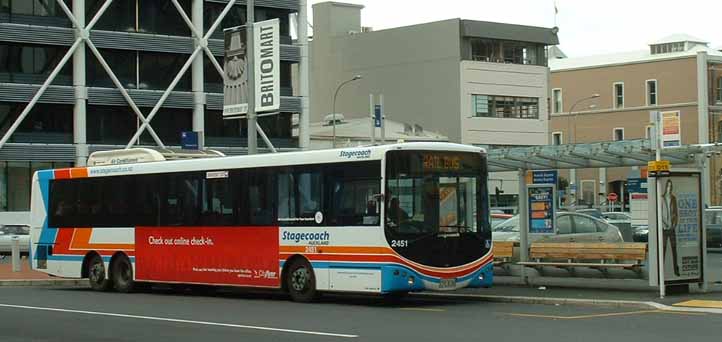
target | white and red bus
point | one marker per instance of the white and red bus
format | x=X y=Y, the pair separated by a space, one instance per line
x=384 y=219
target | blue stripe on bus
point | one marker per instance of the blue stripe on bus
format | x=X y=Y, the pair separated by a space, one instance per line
x=47 y=235
x=326 y=264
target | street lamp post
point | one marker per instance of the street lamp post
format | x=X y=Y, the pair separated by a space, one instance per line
x=333 y=112
x=573 y=172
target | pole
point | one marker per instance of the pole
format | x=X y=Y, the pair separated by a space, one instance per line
x=304 y=133
x=81 y=92
x=199 y=95
x=15 y=251
x=703 y=134
x=658 y=195
x=383 y=119
x=523 y=223
x=251 y=81
x=372 y=112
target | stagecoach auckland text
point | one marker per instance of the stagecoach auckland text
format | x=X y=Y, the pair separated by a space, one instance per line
x=358 y=154
x=313 y=236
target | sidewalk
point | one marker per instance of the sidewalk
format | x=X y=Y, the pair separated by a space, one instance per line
x=27 y=276
x=608 y=292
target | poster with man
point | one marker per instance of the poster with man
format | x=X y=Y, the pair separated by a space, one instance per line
x=235 y=78
x=681 y=226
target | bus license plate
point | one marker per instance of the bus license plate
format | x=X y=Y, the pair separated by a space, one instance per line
x=447 y=284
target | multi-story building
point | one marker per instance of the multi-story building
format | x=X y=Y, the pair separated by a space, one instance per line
x=145 y=43
x=475 y=82
x=612 y=96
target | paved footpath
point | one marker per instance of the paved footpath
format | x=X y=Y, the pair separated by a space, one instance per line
x=6 y=270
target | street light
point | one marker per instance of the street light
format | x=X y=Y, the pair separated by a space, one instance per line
x=571 y=110
x=573 y=172
x=356 y=77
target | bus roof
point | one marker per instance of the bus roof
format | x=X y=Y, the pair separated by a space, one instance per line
x=361 y=153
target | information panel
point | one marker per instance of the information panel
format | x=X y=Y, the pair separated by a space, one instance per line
x=541 y=209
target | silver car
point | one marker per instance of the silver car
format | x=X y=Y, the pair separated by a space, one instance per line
x=570 y=227
x=7 y=232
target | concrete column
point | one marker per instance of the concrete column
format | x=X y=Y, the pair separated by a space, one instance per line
x=523 y=222
x=304 y=135
x=199 y=95
x=81 y=91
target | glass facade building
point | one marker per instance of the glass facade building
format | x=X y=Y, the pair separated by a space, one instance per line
x=145 y=43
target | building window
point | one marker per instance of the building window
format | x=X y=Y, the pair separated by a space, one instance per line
x=509 y=107
x=619 y=95
x=32 y=64
x=719 y=90
x=557 y=138
x=34 y=12
x=557 y=98
x=648 y=131
x=157 y=70
x=618 y=134
x=651 y=92
x=501 y=51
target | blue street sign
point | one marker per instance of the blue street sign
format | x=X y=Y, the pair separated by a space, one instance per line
x=189 y=140
x=377 y=115
x=544 y=177
x=637 y=185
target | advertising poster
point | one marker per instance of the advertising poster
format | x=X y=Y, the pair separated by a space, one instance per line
x=266 y=51
x=541 y=209
x=681 y=227
x=235 y=79
x=671 y=129
x=215 y=255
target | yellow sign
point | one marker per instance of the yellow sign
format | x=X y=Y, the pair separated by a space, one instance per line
x=659 y=166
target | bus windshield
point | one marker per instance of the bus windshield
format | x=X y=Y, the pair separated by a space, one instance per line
x=436 y=195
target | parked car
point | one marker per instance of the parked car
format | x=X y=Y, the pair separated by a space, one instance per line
x=714 y=229
x=596 y=213
x=497 y=218
x=570 y=227
x=7 y=232
x=615 y=217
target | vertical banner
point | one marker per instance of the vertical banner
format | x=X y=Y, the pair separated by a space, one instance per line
x=671 y=129
x=681 y=227
x=266 y=53
x=235 y=79
x=541 y=208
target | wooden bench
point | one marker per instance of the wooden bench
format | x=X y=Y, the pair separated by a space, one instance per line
x=503 y=252
x=601 y=256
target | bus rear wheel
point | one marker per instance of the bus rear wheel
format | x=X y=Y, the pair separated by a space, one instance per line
x=300 y=281
x=96 y=274
x=122 y=274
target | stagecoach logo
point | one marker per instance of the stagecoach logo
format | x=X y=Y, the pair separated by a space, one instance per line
x=356 y=154
x=318 y=217
x=308 y=238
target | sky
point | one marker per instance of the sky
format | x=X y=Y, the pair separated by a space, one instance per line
x=586 y=27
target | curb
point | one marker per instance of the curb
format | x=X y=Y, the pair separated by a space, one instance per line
x=548 y=300
x=44 y=282
x=573 y=301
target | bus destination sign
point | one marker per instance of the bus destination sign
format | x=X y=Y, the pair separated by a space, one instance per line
x=436 y=162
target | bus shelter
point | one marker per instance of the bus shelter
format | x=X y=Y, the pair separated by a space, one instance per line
x=598 y=155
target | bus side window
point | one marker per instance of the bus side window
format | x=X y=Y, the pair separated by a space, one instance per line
x=62 y=203
x=260 y=197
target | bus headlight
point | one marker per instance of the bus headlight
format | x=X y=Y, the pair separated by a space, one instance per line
x=411 y=281
x=481 y=276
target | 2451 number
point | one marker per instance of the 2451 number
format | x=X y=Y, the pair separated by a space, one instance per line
x=400 y=243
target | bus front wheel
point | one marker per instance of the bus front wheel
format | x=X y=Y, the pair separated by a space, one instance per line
x=96 y=274
x=300 y=281
x=122 y=274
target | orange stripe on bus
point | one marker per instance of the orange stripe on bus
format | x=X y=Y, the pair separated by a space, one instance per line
x=79 y=172
x=81 y=240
